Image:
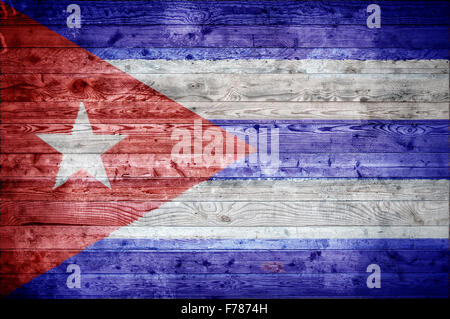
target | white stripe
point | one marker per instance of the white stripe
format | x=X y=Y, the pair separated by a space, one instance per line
x=328 y=232
x=336 y=208
x=272 y=66
x=304 y=89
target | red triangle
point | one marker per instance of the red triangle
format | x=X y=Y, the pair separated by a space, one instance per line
x=41 y=89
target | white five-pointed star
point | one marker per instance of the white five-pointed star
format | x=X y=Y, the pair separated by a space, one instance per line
x=81 y=150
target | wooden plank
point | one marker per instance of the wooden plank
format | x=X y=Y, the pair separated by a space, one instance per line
x=234 y=12
x=77 y=60
x=234 y=262
x=301 y=87
x=300 y=213
x=226 y=213
x=287 y=190
x=60 y=237
x=235 y=286
x=293 y=110
x=270 y=53
x=381 y=53
x=181 y=245
x=160 y=112
x=269 y=244
x=425 y=136
x=127 y=168
x=311 y=232
x=228 y=87
x=281 y=53
x=231 y=36
x=273 y=66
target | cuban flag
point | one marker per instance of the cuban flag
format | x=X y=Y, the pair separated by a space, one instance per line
x=224 y=149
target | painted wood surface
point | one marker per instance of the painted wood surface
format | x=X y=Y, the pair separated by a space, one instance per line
x=192 y=35
x=235 y=12
x=126 y=113
x=364 y=167
x=247 y=262
x=270 y=53
x=37 y=237
x=207 y=213
x=235 y=286
x=51 y=60
x=228 y=87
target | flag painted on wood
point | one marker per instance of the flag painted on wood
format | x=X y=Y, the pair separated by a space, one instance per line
x=224 y=150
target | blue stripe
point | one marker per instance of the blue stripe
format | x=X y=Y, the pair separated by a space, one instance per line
x=116 y=268
x=237 y=12
x=199 y=36
x=345 y=149
x=268 y=53
x=271 y=244
x=227 y=286
x=185 y=40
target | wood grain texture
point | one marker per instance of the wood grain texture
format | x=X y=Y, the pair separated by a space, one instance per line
x=274 y=66
x=353 y=188
x=287 y=190
x=209 y=36
x=36 y=237
x=301 y=87
x=241 y=213
x=228 y=87
x=321 y=190
x=307 y=136
x=241 y=262
x=367 y=244
x=237 y=286
x=280 y=202
x=270 y=53
x=77 y=60
x=311 y=232
x=235 y=110
x=232 y=12
x=301 y=213
x=130 y=167
x=160 y=112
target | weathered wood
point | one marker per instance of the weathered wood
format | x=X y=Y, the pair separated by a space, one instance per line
x=57 y=237
x=230 y=36
x=109 y=112
x=235 y=286
x=270 y=53
x=228 y=87
x=233 y=12
x=269 y=244
x=301 y=87
x=287 y=190
x=36 y=88
x=40 y=229
x=310 y=232
x=377 y=136
x=313 y=189
x=291 y=165
x=235 y=110
x=77 y=60
x=234 y=262
x=308 y=66
x=160 y=112
x=227 y=213
x=301 y=213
